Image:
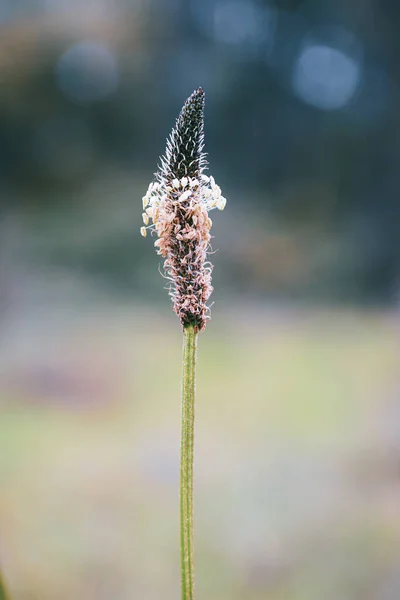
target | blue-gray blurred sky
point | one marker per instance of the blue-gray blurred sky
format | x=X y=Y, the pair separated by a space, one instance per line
x=302 y=131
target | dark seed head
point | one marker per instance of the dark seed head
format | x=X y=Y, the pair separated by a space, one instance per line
x=184 y=155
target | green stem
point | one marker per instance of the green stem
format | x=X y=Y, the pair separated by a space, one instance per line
x=187 y=444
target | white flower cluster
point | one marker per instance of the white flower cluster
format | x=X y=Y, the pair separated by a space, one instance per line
x=205 y=192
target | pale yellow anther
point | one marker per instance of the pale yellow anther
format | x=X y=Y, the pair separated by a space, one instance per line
x=185 y=196
x=145 y=218
x=145 y=201
x=143 y=231
x=176 y=183
x=221 y=203
x=184 y=181
x=150 y=211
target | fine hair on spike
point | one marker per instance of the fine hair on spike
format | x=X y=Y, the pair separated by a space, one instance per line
x=184 y=152
x=178 y=203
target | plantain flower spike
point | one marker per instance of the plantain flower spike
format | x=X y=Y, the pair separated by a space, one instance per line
x=176 y=207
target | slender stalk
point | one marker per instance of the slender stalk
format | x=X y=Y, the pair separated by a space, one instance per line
x=186 y=472
x=176 y=207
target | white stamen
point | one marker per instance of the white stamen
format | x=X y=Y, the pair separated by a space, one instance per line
x=190 y=234
x=184 y=181
x=176 y=183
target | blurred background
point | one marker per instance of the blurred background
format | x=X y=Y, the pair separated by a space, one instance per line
x=298 y=409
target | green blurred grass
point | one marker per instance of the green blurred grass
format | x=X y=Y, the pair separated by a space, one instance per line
x=285 y=401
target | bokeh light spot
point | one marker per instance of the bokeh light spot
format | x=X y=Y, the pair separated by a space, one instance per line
x=325 y=77
x=87 y=72
x=235 y=21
